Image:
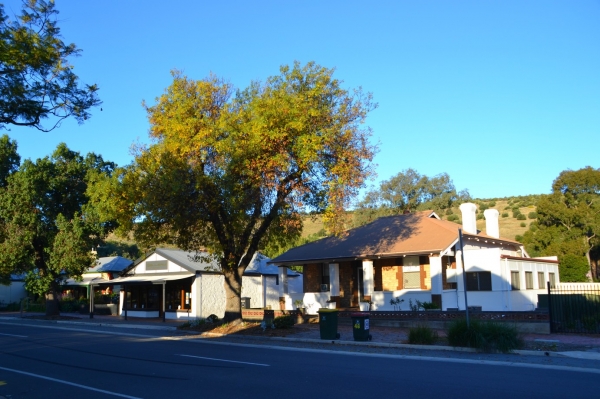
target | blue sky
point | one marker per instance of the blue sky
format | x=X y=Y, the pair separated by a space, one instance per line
x=501 y=95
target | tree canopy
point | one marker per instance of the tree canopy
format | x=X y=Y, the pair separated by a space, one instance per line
x=231 y=170
x=47 y=230
x=406 y=192
x=37 y=81
x=568 y=218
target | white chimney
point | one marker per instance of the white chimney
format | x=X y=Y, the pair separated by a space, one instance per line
x=491 y=223
x=468 y=217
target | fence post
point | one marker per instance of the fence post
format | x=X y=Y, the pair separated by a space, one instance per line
x=550 y=307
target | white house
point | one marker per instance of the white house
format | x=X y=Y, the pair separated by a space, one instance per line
x=398 y=259
x=186 y=285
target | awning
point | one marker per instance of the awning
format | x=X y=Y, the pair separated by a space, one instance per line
x=86 y=281
x=149 y=278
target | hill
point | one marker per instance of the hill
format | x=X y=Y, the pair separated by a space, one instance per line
x=509 y=225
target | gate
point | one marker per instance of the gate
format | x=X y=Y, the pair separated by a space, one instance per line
x=574 y=308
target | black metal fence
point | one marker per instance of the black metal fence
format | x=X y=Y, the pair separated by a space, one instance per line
x=573 y=307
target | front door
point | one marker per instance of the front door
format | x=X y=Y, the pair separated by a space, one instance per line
x=357 y=285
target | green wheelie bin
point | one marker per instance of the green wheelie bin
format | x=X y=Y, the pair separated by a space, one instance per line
x=360 y=326
x=328 y=323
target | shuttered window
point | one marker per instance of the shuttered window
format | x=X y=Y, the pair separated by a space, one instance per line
x=412 y=279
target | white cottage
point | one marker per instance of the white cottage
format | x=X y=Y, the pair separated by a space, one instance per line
x=176 y=284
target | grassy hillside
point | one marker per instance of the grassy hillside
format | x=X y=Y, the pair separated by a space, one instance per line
x=509 y=225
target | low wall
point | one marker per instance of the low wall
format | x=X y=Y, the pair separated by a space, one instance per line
x=525 y=322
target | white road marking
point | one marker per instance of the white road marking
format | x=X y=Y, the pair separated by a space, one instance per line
x=69 y=383
x=13 y=335
x=209 y=341
x=223 y=360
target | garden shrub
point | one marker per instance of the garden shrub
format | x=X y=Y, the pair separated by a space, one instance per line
x=285 y=321
x=484 y=336
x=422 y=335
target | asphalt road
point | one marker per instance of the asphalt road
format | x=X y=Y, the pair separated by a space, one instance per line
x=40 y=360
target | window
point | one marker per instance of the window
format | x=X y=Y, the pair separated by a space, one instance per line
x=325 y=274
x=541 y=281
x=552 y=280
x=479 y=281
x=412 y=279
x=528 y=280
x=515 y=284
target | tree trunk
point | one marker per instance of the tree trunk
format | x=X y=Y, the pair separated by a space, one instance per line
x=52 y=308
x=233 y=294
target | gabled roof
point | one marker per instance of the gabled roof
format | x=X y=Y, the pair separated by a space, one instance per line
x=110 y=264
x=203 y=262
x=413 y=233
x=189 y=260
x=259 y=266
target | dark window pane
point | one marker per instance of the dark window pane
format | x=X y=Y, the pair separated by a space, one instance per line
x=472 y=282
x=485 y=281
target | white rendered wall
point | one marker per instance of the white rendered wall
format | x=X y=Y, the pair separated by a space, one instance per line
x=213 y=295
x=271 y=292
x=435 y=269
x=334 y=279
x=253 y=289
x=295 y=285
x=367 y=267
x=313 y=301
x=381 y=299
x=171 y=267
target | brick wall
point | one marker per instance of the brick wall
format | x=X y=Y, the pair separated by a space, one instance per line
x=312 y=277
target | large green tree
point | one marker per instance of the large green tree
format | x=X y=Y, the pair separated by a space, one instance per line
x=568 y=218
x=37 y=81
x=47 y=230
x=230 y=173
x=408 y=191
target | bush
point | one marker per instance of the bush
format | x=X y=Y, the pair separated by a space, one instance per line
x=520 y=216
x=523 y=224
x=283 y=321
x=532 y=215
x=492 y=203
x=479 y=216
x=429 y=305
x=504 y=214
x=422 y=335
x=573 y=268
x=484 y=336
x=452 y=218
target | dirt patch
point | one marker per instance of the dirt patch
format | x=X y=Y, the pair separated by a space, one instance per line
x=246 y=328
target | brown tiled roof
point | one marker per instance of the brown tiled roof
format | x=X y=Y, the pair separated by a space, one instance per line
x=413 y=233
